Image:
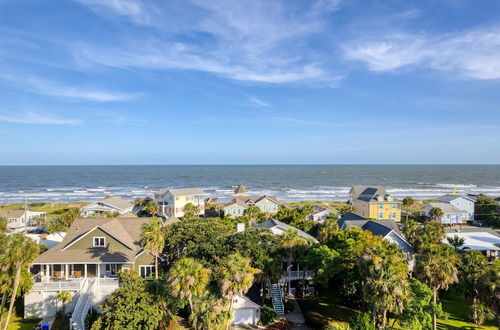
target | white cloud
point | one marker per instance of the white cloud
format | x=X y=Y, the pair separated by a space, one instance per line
x=47 y=87
x=473 y=54
x=137 y=11
x=259 y=102
x=258 y=40
x=33 y=118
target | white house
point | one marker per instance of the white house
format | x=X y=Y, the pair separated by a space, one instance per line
x=319 y=214
x=49 y=240
x=452 y=215
x=17 y=220
x=464 y=203
x=172 y=202
x=107 y=205
x=485 y=240
x=245 y=311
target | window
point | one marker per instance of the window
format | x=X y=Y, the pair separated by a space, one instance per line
x=381 y=215
x=381 y=206
x=99 y=241
x=394 y=206
x=112 y=269
x=146 y=270
x=393 y=215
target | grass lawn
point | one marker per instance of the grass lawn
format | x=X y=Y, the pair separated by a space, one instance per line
x=52 y=209
x=458 y=310
x=17 y=323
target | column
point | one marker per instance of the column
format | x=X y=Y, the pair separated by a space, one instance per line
x=85 y=272
x=66 y=271
x=98 y=273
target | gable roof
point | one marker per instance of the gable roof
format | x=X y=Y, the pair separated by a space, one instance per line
x=376 y=227
x=241 y=189
x=11 y=213
x=113 y=201
x=357 y=190
x=183 y=191
x=371 y=194
x=450 y=197
x=272 y=223
x=126 y=230
x=445 y=207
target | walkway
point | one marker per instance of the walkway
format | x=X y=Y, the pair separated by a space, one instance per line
x=296 y=317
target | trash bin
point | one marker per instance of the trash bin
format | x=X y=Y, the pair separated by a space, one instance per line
x=45 y=326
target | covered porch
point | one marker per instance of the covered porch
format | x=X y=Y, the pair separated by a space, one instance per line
x=69 y=271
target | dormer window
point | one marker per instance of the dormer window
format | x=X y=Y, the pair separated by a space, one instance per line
x=99 y=241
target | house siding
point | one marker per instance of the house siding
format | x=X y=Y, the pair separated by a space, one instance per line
x=87 y=242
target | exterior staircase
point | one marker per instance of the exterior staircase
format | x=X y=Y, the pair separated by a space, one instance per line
x=277 y=299
x=77 y=321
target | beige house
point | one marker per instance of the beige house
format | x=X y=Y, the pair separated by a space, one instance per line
x=236 y=207
x=172 y=202
x=86 y=263
x=18 y=220
x=108 y=205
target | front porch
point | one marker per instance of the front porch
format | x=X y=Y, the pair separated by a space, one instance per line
x=67 y=272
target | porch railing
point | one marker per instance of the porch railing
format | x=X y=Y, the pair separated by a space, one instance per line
x=69 y=285
x=298 y=274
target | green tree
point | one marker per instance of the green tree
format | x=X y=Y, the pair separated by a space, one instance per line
x=211 y=313
x=437 y=267
x=64 y=297
x=151 y=207
x=323 y=261
x=489 y=288
x=456 y=241
x=235 y=276
x=411 y=231
x=487 y=210
x=253 y=214
x=56 y=225
x=432 y=233
x=187 y=279
x=408 y=203
x=20 y=251
x=69 y=216
x=436 y=213
x=153 y=239
x=191 y=211
x=3 y=224
x=327 y=229
x=138 y=201
x=290 y=242
x=131 y=306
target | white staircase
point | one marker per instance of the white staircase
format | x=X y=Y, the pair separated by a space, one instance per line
x=77 y=321
x=277 y=299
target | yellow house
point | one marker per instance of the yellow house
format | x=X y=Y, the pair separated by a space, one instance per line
x=172 y=202
x=375 y=203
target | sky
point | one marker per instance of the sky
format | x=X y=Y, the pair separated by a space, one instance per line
x=249 y=82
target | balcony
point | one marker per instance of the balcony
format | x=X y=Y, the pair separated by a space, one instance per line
x=298 y=275
x=68 y=285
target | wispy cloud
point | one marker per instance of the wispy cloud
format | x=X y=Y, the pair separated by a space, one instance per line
x=473 y=54
x=34 y=118
x=137 y=11
x=259 y=102
x=47 y=87
x=259 y=41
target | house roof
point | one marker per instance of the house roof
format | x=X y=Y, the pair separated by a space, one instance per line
x=113 y=201
x=183 y=191
x=445 y=207
x=11 y=213
x=376 y=227
x=450 y=197
x=357 y=190
x=483 y=239
x=371 y=194
x=126 y=230
x=241 y=189
x=271 y=223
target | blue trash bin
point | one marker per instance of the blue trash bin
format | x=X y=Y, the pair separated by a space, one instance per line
x=45 y=326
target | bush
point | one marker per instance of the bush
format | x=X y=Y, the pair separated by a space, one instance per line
x=362 y=322
x=480 y=313
x=289 y=306
x=267 y=315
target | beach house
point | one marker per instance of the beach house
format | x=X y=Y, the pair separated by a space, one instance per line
x=452 y=215
x=18 y=220
x=357 y=190
x=486 y=240
x=237 y=206
x=86 y=263
x=464 y=203
x=319 y=214
x=108 y=205
x=376 y=203
x=172 y=202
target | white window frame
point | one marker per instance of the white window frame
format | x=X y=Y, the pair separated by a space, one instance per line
x=99 y=237
x=151 y=267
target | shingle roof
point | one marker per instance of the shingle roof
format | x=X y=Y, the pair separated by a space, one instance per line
x=451 y=197
x=271 y=223
x=114 y=201
x=371 y=194
x=126 y=230
x=357 y=190
x=376 y=227
x=445 y=207
x=184 y=191
x=11 y=213
x=241 y=189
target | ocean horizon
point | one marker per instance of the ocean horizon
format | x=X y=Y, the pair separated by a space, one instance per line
x=65 y=183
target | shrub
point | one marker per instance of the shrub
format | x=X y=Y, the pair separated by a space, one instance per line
x=267 y=315
x=362 y=322
x=480 y=313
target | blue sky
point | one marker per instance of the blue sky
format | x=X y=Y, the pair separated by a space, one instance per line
x=249 y=82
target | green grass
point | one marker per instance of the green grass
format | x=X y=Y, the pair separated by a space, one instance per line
x=17 y=323
x=458 y=310
x=52 y=209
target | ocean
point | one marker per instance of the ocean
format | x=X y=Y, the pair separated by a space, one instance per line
x=288 y=182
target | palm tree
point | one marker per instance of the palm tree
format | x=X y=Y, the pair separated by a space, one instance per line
x=153 y=239
x=489 y=287
x=290 y=241
x=411 y=231
x=211 y=313
x=456 y=241
x=253 y=214
x=408 y=202
x=437 y=267
x=5 y=286
x=329 y=227
x=436 y=213
x=64 y=297
x=188 y=278
x=20 y=252
x=151 y=207
x=235 y=276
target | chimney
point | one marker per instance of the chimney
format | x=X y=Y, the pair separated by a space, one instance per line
x=240 y=226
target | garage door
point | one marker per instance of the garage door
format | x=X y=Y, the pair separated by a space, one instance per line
x=244 y=316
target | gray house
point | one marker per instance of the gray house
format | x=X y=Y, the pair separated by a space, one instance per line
x=452 y=215
x=464 y=203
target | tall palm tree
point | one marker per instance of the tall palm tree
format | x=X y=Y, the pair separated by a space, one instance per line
x=153 y=239
x=326 y=231
x=64 y=297
x=211 y=313
x=456 y=241
x=151 y=207
x=188 y=278
x=489 y=287
x=290 y=241
x=437 y=267
x=253 y=214
x=411 y=231
x=408 y=202
x=20 y=252
x=436 y=213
